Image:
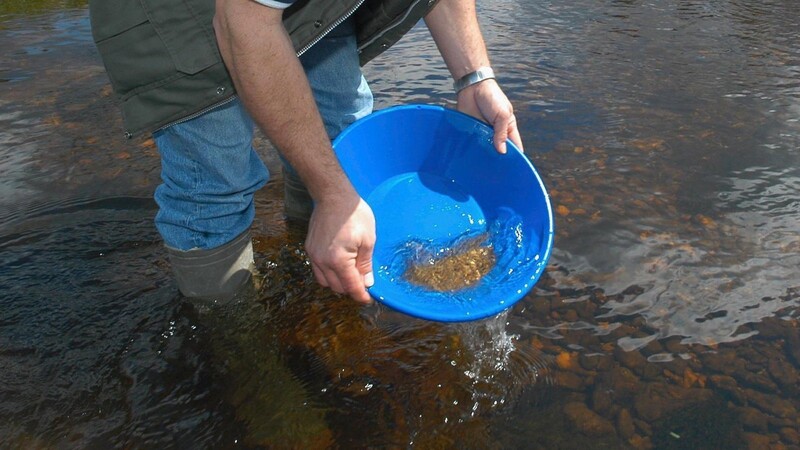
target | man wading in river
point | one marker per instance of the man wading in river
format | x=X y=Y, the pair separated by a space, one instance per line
x=200 y=75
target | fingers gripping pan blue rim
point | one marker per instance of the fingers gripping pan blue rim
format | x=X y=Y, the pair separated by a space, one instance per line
x=433 y=179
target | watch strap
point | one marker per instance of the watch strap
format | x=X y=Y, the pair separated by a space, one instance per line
x=483 y=73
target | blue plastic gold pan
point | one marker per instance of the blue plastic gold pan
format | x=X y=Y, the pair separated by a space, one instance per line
x=463 y=232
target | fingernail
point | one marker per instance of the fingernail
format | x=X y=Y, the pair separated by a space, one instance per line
x=369 y=279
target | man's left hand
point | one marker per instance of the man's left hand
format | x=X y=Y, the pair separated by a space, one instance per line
x=487 y=102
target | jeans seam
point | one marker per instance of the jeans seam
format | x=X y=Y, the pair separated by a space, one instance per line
x=196 y=238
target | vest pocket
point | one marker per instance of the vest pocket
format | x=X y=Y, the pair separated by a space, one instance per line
x=136 y=58
x=185 y=27
x=110 y=18
x=154 y=42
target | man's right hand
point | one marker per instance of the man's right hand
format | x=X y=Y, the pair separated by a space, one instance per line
x=340 y=240
x=271 y=83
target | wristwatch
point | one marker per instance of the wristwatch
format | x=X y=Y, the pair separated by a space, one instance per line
x=483 y=73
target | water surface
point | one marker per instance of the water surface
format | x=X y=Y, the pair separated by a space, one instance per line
x=667 y=135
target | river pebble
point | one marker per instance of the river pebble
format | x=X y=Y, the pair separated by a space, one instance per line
x=625 y=426
x=587 y=421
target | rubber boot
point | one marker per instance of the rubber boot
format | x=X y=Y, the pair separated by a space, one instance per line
x=298 y=204
x=216 y=274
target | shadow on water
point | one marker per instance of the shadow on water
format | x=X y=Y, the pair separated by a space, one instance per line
x=667 y=135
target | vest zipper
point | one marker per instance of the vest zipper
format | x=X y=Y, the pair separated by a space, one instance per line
x=300 y=52
x=330 y=27
x=393 y=24
x=319 y=37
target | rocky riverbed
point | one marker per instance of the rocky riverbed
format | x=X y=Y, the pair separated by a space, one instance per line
x=579 y=388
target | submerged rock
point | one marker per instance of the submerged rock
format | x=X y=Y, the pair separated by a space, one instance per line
x=587 y=421
x=625 y=425
x=702 y=425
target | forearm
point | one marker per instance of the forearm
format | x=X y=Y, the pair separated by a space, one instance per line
x=454 y=27
x=273 y=87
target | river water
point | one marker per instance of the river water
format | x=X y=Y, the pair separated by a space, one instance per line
x=667 y=135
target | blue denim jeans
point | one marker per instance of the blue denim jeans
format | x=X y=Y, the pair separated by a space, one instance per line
x=209 y=169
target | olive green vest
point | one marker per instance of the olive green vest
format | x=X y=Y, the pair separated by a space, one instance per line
x=164 y=64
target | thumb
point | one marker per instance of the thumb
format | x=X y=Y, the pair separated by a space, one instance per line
x=513 y=135
x=500 y=136
x=364 y=264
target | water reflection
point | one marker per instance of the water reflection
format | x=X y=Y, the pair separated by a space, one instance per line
x=651 y=174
